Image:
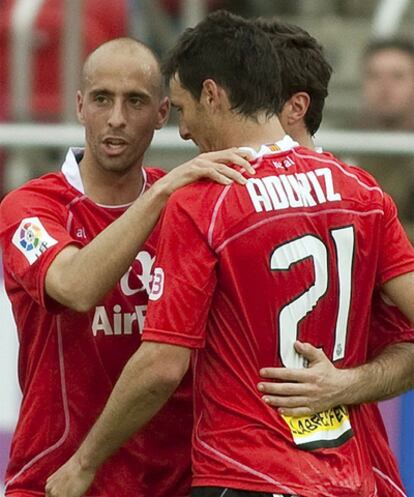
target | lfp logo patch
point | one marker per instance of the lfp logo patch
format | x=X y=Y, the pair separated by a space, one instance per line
x=32 y=239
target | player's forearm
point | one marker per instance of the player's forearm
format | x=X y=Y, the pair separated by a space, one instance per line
x=80 y=278
x=83 y=279
x=144 y=386
x=321 y=386
x=387 y=375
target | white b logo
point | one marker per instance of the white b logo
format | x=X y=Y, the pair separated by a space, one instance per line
x=157 y=284
x=146 y=261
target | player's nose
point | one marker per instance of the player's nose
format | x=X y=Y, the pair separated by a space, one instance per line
x=117 y=117
x=184 y=132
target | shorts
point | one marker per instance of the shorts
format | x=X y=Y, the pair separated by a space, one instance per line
x=229 y=492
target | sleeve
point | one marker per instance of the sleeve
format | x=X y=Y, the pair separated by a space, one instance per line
x=388 y=326
x=396 y=252
x=32 y=232
x=184 y=280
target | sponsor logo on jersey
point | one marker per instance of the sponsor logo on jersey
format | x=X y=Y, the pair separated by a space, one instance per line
x=115 y=320
x=157 y=284
x=32 y=239
x=141 y=270
x=81 y=233
x=284 y=164
x=325 y=429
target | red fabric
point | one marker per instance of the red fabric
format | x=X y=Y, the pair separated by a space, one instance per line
x=370 y=430
x=389 y=326
x=69 y=362
x=229 y=273
x=101 y=21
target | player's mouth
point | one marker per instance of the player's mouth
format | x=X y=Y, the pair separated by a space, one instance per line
x=114 y=145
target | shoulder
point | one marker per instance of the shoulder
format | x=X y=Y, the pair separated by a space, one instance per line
x=352 y=180
x=197 y=204
x=200 y=195
x=47 y=194
x=48 y=185
x=357 y=171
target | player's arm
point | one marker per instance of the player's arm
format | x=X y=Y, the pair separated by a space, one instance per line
x=298 y=392
x=389 y=372
x=320 y=386
x=79 y=278
x=177 y=314
x=147 y=381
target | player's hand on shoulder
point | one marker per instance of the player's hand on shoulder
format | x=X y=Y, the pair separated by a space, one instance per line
x=70 y=480
x=223 y=166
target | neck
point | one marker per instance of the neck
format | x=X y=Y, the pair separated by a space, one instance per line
x=299 y=132
x=239 y=132
x=304 y=139
x=108 y=187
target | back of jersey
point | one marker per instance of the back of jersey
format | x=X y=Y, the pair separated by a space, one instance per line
x=295 y=254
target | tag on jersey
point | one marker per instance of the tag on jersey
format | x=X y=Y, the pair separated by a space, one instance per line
x=32 y=239
x=329 y=428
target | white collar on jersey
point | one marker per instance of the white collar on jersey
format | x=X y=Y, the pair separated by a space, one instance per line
x=286 y=143
x=70 y=169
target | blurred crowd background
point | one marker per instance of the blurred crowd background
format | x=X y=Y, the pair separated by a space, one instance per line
x=368 y=119
x=370 y=45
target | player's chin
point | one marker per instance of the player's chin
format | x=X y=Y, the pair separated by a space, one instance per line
x=117 y=164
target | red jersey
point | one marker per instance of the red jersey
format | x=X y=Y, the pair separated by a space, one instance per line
x=70 y=361
x=388 y=327
x=370 y=430
x=241 y=273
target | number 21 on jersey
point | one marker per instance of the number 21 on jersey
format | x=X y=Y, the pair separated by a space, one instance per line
x=291 y=314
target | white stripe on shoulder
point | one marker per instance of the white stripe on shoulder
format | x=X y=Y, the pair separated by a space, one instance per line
x=217 y=206
x=341 y=168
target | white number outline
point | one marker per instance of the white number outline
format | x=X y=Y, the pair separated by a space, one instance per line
x=292 y=313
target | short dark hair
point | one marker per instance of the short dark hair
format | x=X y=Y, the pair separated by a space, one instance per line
x=236 y=54
x=303 y=64
x=379 y=45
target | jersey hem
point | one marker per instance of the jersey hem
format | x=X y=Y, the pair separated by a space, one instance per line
x=171 y=337
x=397 y=270
x=27 y=493
x=241 y=484
x=48 y=303
x=405 y=337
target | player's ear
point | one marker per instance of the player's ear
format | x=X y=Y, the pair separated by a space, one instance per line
x=79 y=107
x=163 y=112
x=211 y=94
x=297 y=107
